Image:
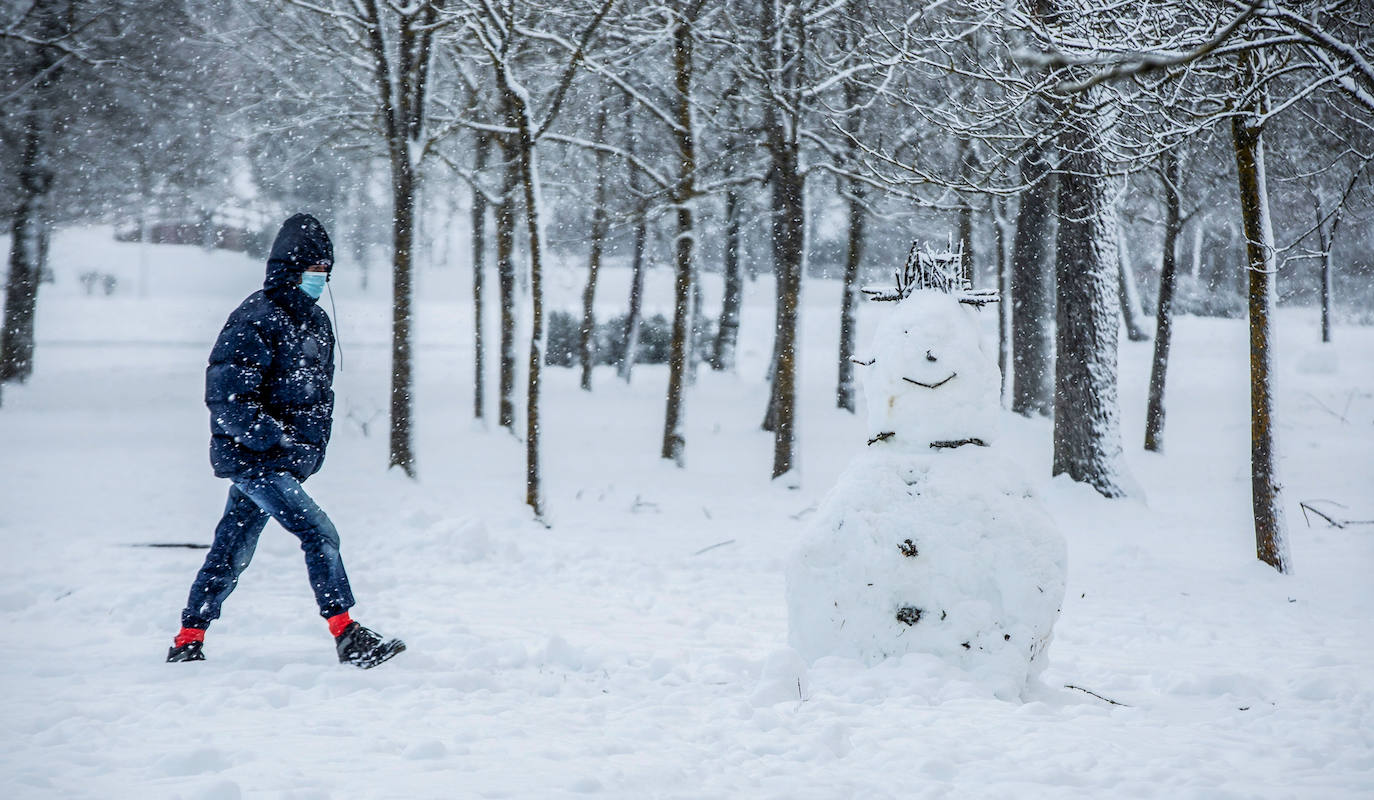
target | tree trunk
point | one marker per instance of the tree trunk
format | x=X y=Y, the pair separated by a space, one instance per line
x=966 y=243
x=727 y=331
x=21 y=287
x=781 y=53
x=641 y=235
x=1127 y=294
x=1173 y=225
x=849 y=296
x=518 y=118
x=1000 y=223
x=1032 y=289
x=965 y=220
x=1271 y=543
x=1196 y=271
x=695 y=333
x=403 y=233
x=401 y=73
x=1087 y=436
x=29 y=226
x=788 y=228
x=1326 y=292
x=481 y=148
x=1326 y=239
x=634 y=312
x=674 y=440
x=598 y=236
x=505 y=275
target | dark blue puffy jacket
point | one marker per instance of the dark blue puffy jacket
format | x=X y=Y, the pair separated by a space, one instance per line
x=268 y=385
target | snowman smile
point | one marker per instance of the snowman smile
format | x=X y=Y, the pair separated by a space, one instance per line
x=936 y=385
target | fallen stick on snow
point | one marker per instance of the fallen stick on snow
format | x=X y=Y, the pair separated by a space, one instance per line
x=713 y=547
x=1095 y=694
x=185 y=545
x=1306 y=506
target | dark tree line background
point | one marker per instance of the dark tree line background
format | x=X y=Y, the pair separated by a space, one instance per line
x=1102 y=165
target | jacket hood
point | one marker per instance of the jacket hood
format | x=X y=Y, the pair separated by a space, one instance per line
x=302 y=241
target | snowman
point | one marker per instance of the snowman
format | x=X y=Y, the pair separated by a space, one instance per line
x=932 y=542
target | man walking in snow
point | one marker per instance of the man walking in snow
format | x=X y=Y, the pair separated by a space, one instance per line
x=268 y=387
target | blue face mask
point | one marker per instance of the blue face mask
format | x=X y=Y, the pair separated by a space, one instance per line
x=312 y=283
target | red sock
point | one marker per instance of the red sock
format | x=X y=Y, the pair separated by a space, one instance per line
x=188 y=635
x=338 y=622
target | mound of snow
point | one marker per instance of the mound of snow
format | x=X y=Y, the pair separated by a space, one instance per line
x=948 y=554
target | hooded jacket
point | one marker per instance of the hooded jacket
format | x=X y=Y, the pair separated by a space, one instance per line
x=269 y=381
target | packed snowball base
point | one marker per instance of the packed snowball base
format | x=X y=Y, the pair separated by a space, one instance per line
x=638 y=649
x=948 y=554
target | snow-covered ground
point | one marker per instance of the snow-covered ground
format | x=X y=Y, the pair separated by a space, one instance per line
x=638 y=648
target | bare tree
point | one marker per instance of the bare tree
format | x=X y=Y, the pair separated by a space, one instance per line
x=683 y=194
x=391 y=86
x=1129 y=293
x=1032 y=288
x=1247 y=134
x=1087 y=437
x=505 y=275
x=635 y=303
x=1228 y=67
x=481 y=148
x=727 y=327
x=41 y=41
x=597 y=238
x=854 y=236
x=780 y=38
x=1171 y=177
x=503 y=32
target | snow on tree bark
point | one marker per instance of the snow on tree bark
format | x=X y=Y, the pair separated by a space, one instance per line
x=849 y=297
x=29 y=225
x=1000 y=224
x=400 y=67
x=640 y=239
x=1087 y=435
x=684 y=136
x=854 y=237
x=505 y=275
x=598 y=236
x=21 y=288
x=1171 y=177
x=1128 y=295
x=481 y=150
x=1271 y=543
x=780 y=50
x=1032 y=289
x=727 y=328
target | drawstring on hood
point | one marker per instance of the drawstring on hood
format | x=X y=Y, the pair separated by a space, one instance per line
x=334 y=320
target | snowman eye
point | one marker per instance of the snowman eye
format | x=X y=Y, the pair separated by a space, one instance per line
x=930 y=356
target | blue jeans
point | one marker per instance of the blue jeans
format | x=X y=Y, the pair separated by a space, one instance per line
x=251 y=502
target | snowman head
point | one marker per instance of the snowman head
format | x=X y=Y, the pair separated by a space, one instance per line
x=929 y=382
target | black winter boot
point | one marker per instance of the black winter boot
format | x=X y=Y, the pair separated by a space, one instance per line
x=364 y=648
x=191 y=651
